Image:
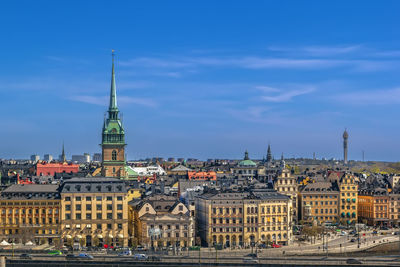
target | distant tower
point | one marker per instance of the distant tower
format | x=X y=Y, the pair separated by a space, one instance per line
x=63 y=158
x=246 y=155
x=345 y=137
x=282 y=163
x=269 y=154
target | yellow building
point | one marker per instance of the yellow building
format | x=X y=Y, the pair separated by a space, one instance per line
x=319 y=201
x=94 y=212
x=30 y=212
x=246 y=218
x=287 y=185
x=348 y=199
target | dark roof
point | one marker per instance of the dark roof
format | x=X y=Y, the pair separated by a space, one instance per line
x=31 y=191
x=93 y=185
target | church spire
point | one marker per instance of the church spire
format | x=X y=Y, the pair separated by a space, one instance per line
x=113 y=109
x=63 y=158
x=269 y=154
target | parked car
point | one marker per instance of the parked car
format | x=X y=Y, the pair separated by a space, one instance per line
x=25 y=256
x=125 y=253
x=250 y=260
x=251 y=255
x=154 y=258
x=276 y=245
x=353 y=240
x=140 y=248
x=353 y=261
x=85 y=256
x=71 y=257
x=374 y=232
x=55 y=253
x=140 y=257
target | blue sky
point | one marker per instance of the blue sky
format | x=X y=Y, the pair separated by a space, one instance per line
x=205 y=79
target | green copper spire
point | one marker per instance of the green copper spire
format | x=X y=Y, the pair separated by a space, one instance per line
x=113 y=132
x=113 y=109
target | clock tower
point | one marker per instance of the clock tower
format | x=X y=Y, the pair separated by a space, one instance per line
x=113 y=137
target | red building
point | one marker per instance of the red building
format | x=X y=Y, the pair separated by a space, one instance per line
x=208 y=176
x=44 y=168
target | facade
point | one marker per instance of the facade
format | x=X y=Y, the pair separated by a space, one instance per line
x=348 y=199
x=48 y=157
x=375 y=207
x=94 y=212
x=205 y=176
x=45 y=168
x=162 y=221
x=30 y=212
x=232 y=219
x=113 y=137
x=287 y=185
x=320 y=202
x=394 y=209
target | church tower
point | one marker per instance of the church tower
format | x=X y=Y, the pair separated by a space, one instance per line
x=345 y=137
x=113 y=137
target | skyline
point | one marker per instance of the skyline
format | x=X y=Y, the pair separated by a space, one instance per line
x=211 y=87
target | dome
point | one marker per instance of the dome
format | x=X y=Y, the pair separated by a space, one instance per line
x=247 y=163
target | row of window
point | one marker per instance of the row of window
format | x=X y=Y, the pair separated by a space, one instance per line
x=249 y=229
x=12 y=203
x=98 y=198
x=250 y=210
x=37 y=231
x=98 y=226
x=327 y=211
x=89 y=207
x=11 y=220
x=99 y=216
x=321 y=203
x=169 y=227
x=320 y=196
x=28 y=211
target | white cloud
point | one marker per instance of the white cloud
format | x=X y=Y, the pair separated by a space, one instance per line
x=285 y=95
x=104 y=100
x=372 y=97
x=317 y=50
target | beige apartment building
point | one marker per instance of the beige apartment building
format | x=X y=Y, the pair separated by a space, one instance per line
x=248 y=218
x=94 y=212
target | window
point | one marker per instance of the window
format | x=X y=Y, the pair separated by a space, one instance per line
x=88 y=198
x=78 y=206
x=114 y=155
x=78 y=198
x=88 y=206
x=109 y=198
x=120 y=226
x=109 y=226
x=109 y=206
x=180 y=207
x=99 y=207
x=98 y=198
x=119 y=198
x=67 y=198
x=119 y=215
x=98 y=216
x=214 y=210
x=119 y=207
x=177 y=227
x=78 y=226
x=109 y=215
x=67 y=207
x=98 y=226
x=78 y=216
x=88 y=216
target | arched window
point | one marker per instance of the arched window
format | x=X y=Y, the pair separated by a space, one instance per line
x=114 y=155
x=113 y=169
